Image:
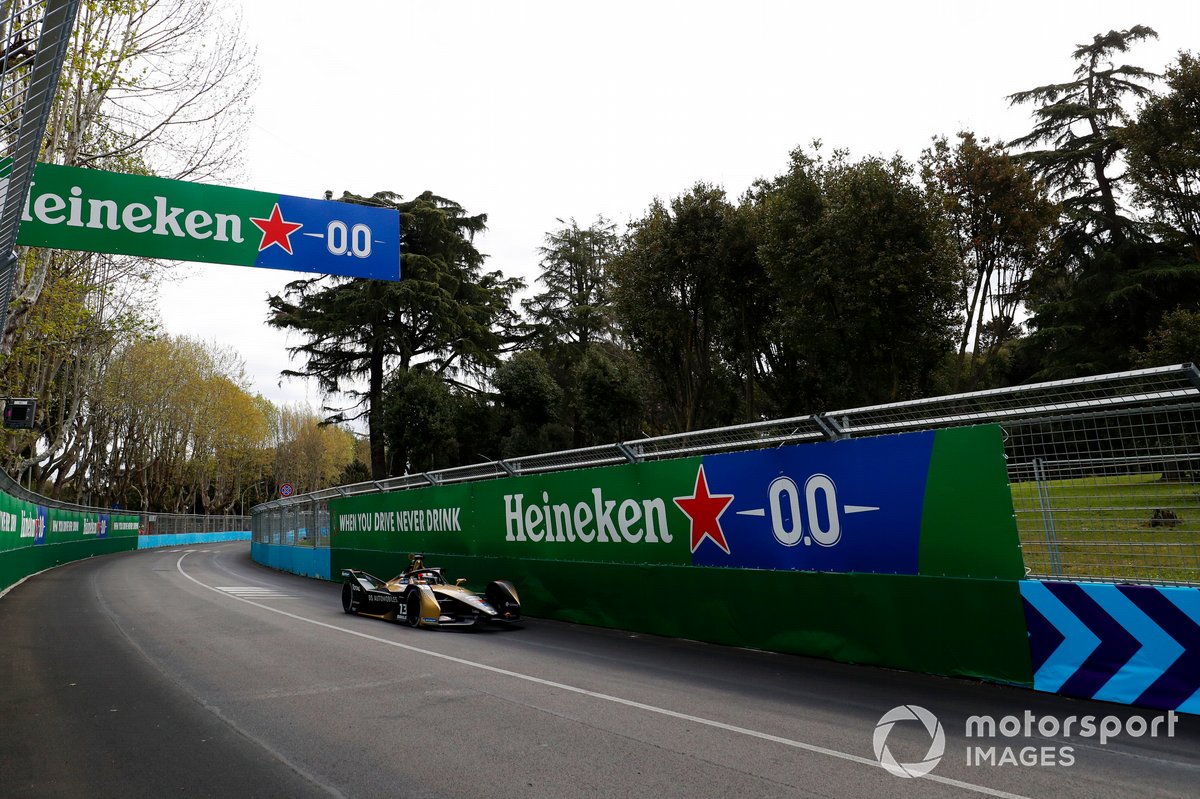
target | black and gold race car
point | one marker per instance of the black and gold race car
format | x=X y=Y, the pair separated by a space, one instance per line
x=421 y=597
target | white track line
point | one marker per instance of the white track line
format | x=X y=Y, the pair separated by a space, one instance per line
x=662 y=711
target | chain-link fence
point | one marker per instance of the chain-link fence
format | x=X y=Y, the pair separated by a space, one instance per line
x=1104 y=471
x=1109 y=496
x=303 y=524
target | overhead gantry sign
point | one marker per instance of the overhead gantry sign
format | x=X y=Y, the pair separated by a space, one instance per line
x=96 y=211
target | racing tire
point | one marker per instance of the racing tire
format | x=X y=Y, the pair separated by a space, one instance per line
x=347 y=596
x=413 y=608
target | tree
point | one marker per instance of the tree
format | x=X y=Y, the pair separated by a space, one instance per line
x=1109 y=280
x=1163 y=151
x=532 y=399
x=419 y=410
x=174 y=429
x=609 y=395
x=864 y=271
x=309 y=454
x=667 y=283
x=1001 y=222
x=750 y=321
x=445 y=313
x=147 y=87
x=574 y=309
x=1082 y=119
x=1177 y=340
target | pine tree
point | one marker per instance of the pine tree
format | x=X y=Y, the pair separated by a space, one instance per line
x=445 y=312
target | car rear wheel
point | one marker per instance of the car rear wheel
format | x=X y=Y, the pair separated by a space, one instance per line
x=347 y=596
x=413 y=608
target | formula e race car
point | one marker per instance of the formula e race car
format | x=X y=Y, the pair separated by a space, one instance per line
x=421 y=597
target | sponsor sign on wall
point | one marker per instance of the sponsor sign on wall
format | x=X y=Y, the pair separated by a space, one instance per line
x=845 y=506
x=24 y=524
x=869 y=505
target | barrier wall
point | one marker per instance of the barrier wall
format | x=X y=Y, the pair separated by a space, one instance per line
x=306 y=561
x=898 y=551
x=34 y=537
x=1134 y=644
x=189 y=539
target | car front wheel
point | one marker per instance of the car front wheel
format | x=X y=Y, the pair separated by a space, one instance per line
x=413 y=609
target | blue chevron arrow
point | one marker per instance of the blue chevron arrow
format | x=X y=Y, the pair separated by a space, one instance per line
x=1077 y=645
x=1177 y=611
x=1044 y=637
x=1157 y=653
x=1188 y=601
x=1117 y=646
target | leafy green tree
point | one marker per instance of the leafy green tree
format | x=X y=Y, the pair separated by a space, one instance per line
x=1177 y=340
x=1002 y=222
x=1163 y=152
x=1082 y=120
x=667 y=284
x=1109 y=280
x=445 y=313
x=864 y=270
x=479 y=429
x=354 y=472
x=784 y=210
x=749 y=323
x=418 y=420
x=574 y=309
x=528 y=392
x=610 y=395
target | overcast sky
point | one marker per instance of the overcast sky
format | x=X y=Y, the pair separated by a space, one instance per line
x=532 y=112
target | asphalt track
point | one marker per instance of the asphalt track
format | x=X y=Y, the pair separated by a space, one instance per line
x=200 y=673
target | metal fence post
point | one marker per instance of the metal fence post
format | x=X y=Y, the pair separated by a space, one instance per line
x=1043 y=492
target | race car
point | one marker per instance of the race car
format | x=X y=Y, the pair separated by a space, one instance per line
x=421 y=597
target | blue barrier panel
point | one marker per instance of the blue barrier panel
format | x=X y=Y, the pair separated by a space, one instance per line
x=188 y=539
x=306 y=561
x=1134 y=644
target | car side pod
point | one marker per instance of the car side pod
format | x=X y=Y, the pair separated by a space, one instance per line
x=502 y=595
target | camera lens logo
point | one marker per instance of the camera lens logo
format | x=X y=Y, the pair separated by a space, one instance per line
x=937 y=741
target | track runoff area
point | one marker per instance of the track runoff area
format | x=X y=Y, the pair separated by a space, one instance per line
x=200 y=670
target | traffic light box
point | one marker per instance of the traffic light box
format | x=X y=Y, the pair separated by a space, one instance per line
x=19 y=413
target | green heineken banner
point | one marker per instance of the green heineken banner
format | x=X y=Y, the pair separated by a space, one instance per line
x=900 y=551
x=928 y=503
x=95 y=211
x=35 y=537
x=25 y=524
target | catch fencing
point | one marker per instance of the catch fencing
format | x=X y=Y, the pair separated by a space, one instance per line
x=148 y=523
x=1104 y=470
x=33 y=42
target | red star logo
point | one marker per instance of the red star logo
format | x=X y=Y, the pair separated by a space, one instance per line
x=276 y=231
x=705 y=511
